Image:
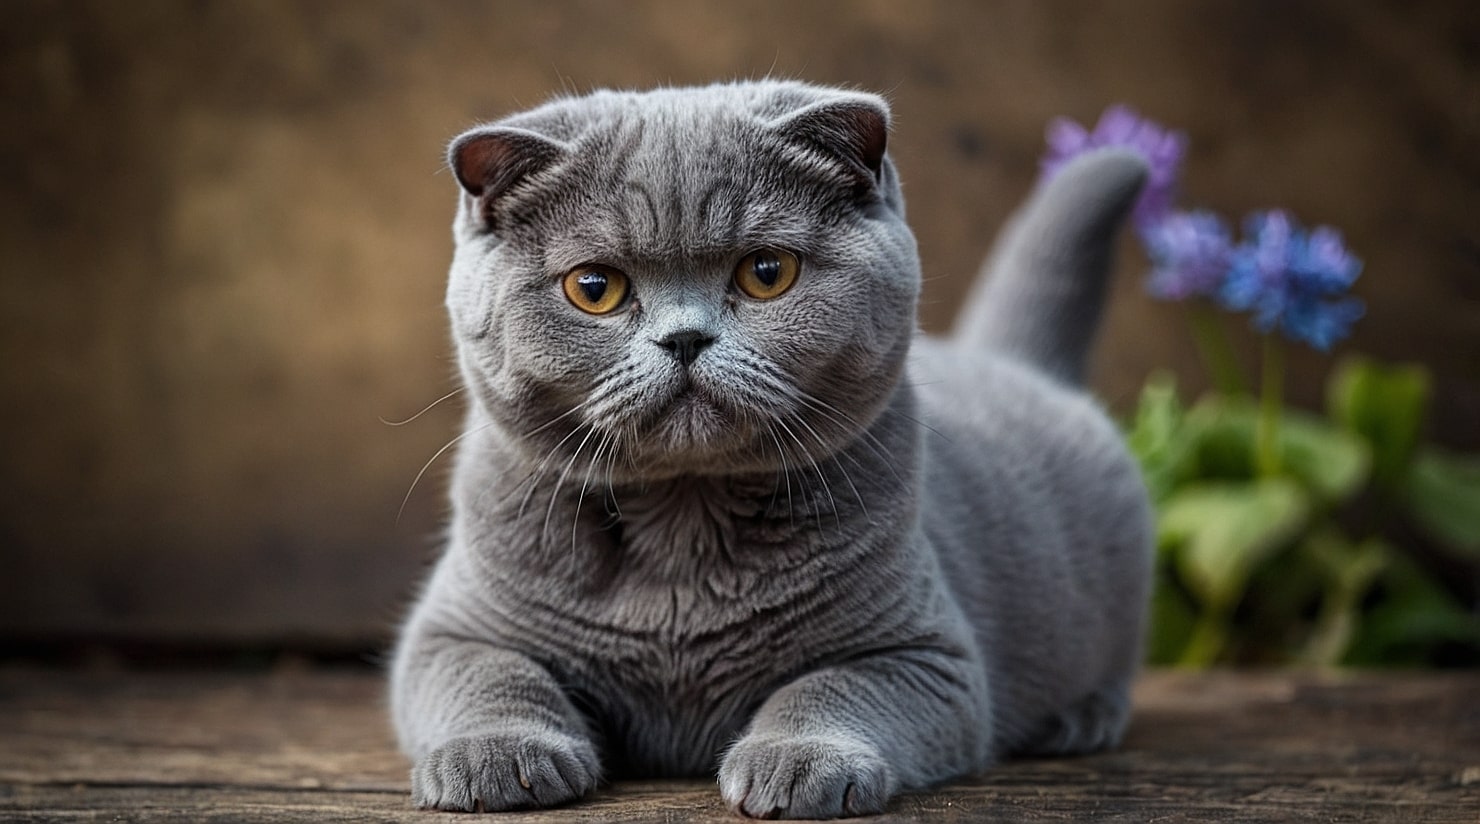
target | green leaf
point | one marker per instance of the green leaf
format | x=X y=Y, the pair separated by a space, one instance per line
x=1385 y=405
x=1222 y=532
x=1443 y=493
x=1172 y=618
x=1221 y=431
x=1331 y=463
x=1350 y=570
x=1283 y=595
x=1155 y=435
x=1411 y=621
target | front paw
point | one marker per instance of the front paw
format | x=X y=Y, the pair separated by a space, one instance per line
x=829 y=776
x=504 y=771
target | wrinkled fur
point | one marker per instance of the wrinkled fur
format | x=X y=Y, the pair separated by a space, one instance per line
x=831 y=559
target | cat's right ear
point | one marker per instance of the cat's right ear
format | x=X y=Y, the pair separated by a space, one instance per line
x=853 y=129
x=491 y=160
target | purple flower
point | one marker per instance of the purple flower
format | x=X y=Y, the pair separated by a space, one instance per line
x=1120 y=126
x=1293 y=280
x=1190 y=255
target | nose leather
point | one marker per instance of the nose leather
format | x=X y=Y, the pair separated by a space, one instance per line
x=685 y=345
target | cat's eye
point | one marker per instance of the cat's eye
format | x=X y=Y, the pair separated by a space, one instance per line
x=766 y=273
x=596 y=289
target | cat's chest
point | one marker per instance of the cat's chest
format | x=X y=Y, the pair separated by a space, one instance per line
x=697 y=589
x=685 y=569
x=697 y=604
x=675 y=651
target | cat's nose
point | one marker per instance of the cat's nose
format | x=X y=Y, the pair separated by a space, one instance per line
x=686 y=345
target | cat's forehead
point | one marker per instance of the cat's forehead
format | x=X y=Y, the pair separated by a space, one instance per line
x=703 y=213
x=684 y=135
x=681 y=172
x=672 y=135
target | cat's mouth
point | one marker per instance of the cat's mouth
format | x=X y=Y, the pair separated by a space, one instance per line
x=692 y=401
x=692 y=419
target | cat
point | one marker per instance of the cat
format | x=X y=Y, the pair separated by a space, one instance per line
x=718 y=506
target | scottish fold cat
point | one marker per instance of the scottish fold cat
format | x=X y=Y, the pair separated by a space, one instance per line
x=719 y=509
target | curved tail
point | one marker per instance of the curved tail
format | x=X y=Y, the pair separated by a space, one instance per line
x=1044 y=285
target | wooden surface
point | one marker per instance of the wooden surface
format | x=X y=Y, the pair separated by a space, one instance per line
x=314 y=745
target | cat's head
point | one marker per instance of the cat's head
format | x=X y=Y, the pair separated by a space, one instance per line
x=683 y=281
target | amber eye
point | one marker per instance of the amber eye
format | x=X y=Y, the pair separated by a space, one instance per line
x=596 y=289
x=766 y=273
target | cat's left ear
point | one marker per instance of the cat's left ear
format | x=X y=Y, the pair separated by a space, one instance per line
x=490 y=161
x=854 y=129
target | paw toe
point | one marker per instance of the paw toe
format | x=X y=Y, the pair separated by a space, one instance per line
x=504 y=772
x=805 y=777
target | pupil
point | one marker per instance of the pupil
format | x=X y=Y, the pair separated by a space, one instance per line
x=593 y=285
x=767 y=268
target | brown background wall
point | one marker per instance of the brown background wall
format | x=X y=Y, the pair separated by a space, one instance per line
x=224 y=233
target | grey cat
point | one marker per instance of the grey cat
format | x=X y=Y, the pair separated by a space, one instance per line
x=719 y=506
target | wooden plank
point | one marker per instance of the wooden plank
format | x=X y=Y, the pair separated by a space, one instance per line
x=315 y=746
x=295 y=731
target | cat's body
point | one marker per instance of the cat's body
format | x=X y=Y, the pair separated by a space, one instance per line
x=767 y=537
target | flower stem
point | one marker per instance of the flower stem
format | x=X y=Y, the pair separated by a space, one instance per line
x=1332 y=634
x=1209 y=637
x=1216 y=352
x=1267 y=448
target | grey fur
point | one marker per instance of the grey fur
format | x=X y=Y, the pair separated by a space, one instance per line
x=830 y=559
x=1044 y=286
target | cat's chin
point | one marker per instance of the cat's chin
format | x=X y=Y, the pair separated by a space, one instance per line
x=692 y=423
x=691 y=434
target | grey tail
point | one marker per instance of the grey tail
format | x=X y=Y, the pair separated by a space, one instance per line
x=1044 y=285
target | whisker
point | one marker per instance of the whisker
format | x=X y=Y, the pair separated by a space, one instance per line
x=559 y=482
x=611 y=467
x=821 y=480
x=766 y=376
x=865 y=437
x=539 y=470
x=425 y=410
x=846 y=477
x=919 y=423
x=585 y=482
x=430 y=461
x=785 y=475
x=775 y=487
x=600 y=391
x=562 y=416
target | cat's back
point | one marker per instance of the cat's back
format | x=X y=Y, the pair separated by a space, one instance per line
x=1017 y=457
x=978 y=400
x=1039 y=517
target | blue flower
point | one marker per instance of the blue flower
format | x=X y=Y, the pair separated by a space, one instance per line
x=1120 y=126
x=1190 y=255
x=1293 y=280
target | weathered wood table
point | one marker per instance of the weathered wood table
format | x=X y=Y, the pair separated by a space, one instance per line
x=314 y=745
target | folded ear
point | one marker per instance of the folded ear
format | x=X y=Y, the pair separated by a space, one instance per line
x=854 y=129
x=488 y=161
